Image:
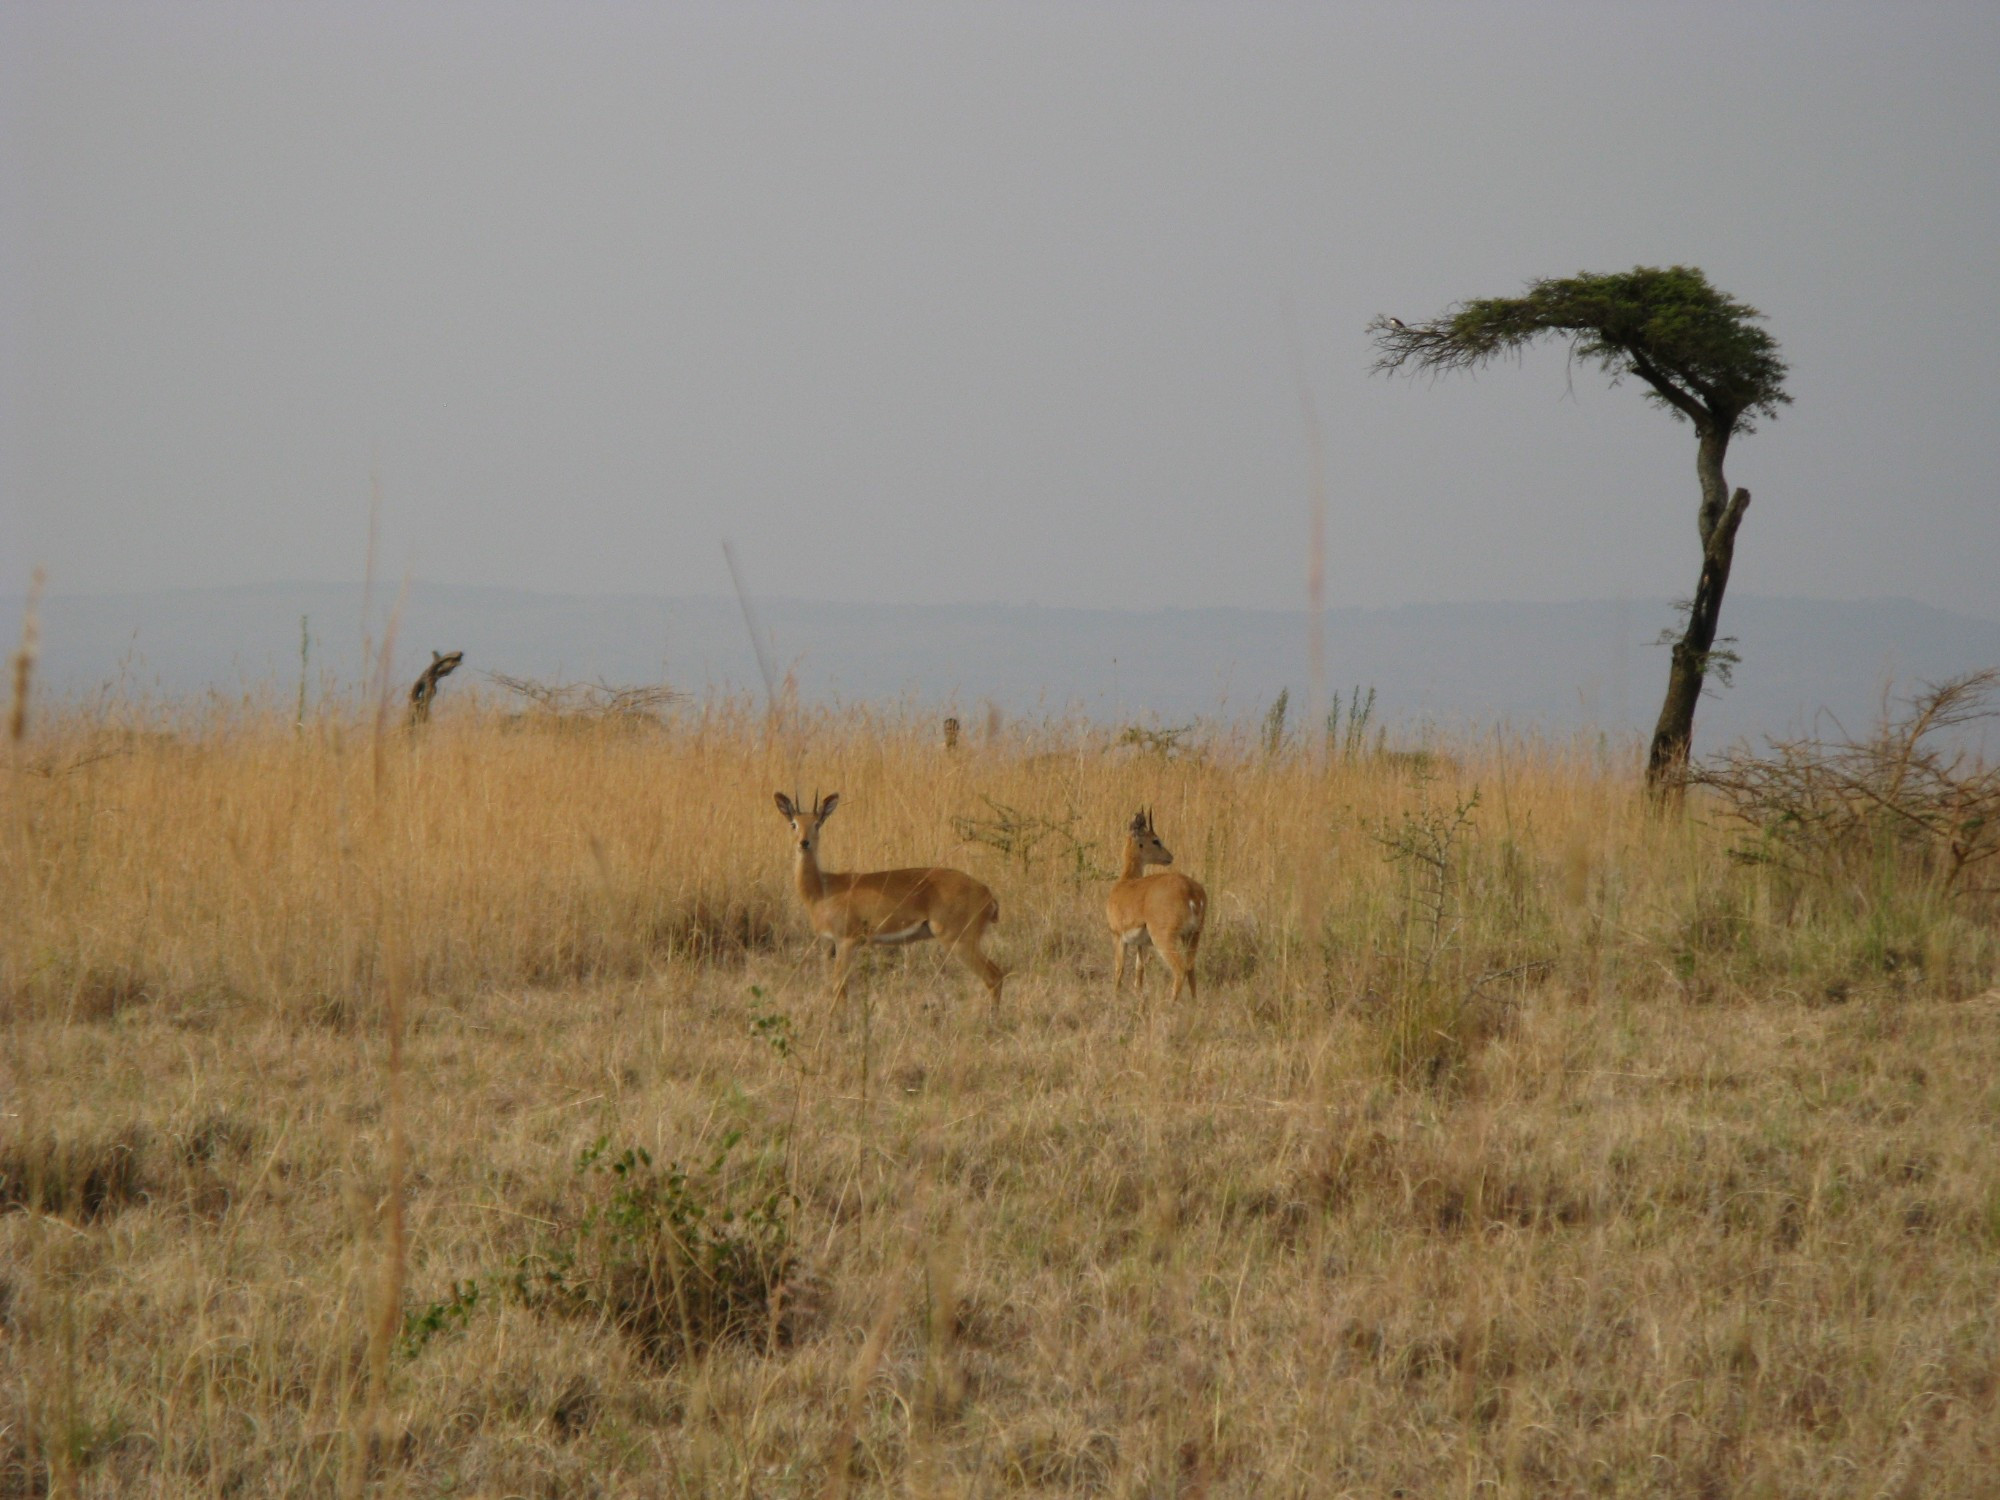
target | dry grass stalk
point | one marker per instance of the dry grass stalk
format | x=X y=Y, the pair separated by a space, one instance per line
x=23 y=663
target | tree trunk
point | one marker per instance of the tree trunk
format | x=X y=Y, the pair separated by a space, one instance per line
x=1721 y=514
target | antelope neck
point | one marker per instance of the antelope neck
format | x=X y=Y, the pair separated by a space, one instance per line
x=805 y=872
x=1134 y=866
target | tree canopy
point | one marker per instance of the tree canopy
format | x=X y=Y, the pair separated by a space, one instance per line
x=1702 y=357
x=1698 y=349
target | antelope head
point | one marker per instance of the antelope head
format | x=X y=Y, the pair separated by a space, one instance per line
x=806 y=822
x=1151 y=850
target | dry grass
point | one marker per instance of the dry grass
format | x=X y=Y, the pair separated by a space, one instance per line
x=1535 y=1151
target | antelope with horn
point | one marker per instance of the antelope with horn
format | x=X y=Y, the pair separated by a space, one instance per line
x=425 y=691
x=888 y=906
x=1165 y=910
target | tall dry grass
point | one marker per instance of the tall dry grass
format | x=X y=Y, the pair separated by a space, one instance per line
x=1521 y=1141
x=231 y=862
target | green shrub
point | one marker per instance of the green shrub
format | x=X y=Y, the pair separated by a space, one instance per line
x=665 y=1255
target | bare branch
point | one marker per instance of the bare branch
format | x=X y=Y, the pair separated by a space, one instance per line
x=1837 y=808
x=576 y=702
x=1425 y=348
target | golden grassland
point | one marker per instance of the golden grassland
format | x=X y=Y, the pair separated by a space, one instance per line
x=1517 y=1144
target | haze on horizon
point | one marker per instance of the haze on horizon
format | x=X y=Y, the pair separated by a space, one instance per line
x=923 y=304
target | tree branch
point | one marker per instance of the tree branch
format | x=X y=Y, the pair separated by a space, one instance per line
x=1723 y=538
x=1436 y=346
x=1688 y=405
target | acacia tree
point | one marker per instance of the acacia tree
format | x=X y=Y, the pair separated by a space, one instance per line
x=1704 y=359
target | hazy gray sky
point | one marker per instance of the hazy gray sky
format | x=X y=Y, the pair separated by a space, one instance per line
x=977 y=303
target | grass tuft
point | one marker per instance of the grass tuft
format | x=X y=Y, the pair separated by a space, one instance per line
x=74 y=1178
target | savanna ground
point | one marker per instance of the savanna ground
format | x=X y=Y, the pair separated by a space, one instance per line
x=465 y=1114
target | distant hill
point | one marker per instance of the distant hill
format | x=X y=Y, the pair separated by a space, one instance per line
x=1557 y=667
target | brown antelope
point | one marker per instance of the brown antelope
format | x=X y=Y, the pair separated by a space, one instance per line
x=443 y=664
x=1166 y=910
x=889 y=906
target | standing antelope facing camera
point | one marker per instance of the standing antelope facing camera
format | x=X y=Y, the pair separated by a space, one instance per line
x=889 y=906
x=1164 y=910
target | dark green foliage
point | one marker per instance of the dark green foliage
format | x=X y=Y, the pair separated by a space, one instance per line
x=422 y=1324
x=1698 y=348
x=667 y=1256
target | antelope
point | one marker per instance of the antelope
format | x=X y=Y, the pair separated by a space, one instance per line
x=1165 y=911
x=889 y=906
x=443 y=664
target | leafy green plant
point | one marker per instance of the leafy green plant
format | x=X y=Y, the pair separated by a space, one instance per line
x=1350 y=740
x=773 y=1028
x=1436 y=1019
x=675 y=1259
x=1273 y=737
x=1424 y=845
x=1025 y=837
x=450 y=1315
x=1718 y=660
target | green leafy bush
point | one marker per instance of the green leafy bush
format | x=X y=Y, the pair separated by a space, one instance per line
x=667 y=1256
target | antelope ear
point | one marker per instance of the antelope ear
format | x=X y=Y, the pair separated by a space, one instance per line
x=1138 y=822
x=826 y=808
x=785 y=805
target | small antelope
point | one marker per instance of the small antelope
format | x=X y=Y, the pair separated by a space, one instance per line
x=889 y=906
x=443 y=664
x=1165 y=911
